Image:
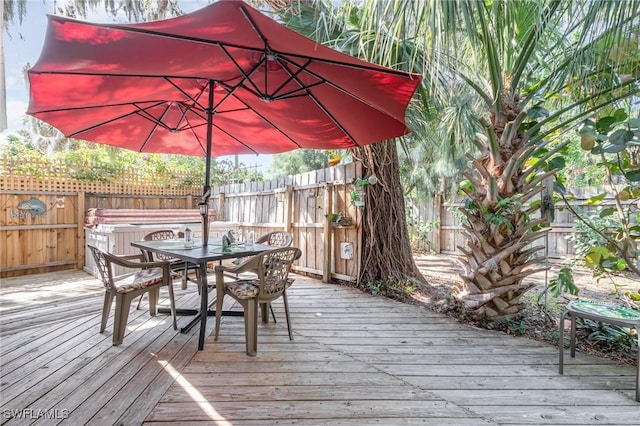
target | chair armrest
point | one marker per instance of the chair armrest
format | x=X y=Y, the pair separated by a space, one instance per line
x=248 y=265
x=139 y=257
x=127 y=262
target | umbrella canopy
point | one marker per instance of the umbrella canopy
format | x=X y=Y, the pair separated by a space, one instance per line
x=223 y=80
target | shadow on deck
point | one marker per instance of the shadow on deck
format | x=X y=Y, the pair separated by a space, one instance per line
x=356 y=359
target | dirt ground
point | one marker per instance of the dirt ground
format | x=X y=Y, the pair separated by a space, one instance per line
x=443 y=270
x=535 y=322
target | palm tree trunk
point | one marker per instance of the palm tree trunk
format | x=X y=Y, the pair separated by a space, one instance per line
x=501 y=230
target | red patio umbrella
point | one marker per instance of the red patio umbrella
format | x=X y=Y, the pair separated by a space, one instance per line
x=223 y=80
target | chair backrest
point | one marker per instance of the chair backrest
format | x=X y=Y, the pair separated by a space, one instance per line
x=276 y=239
x=104 y=267
x=163 y=234
x=273 y=269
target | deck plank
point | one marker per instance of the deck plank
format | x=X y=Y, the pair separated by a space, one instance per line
x=267 y=411
x=561 y=414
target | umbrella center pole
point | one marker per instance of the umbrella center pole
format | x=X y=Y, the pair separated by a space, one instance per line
x=206 y=190
x=204 y=212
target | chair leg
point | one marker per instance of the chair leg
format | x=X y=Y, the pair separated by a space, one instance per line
x=140 y=301
x=573 y=335
x=185 y=273
x=561 y=343
x=638 y=366
x=172 y=306
x=106 y=308
x=273 y=314
x=286 y=312
x=154 y=295
x=219 y=302
x=264 y=311
x=251 y=326
x=123 y=303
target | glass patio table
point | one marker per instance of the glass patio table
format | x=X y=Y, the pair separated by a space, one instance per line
x=200 y=256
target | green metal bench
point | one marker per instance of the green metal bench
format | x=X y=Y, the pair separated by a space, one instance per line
x=611 y=314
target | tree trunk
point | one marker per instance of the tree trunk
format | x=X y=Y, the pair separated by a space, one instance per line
x=386 y=253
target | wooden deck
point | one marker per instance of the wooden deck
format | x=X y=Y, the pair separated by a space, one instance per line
x=356 y=359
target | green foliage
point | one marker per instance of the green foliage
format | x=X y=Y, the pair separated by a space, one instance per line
x=404 y=287
x=603 y=259
x=94 y=165
x=585 y=237
x=563 y=283
x=375 y=287
x=424 y=228
x=225 y=172
x=499 y=220
x=356 y=196
x=420 y=230
x=609 y=242
x=610 y=337
x=458 y=215
x=583 y=170
x=299 y=161
x=560 y=285
x=103 y=163
x=503 y=214
x=391 y=288
x=23 y=156
x=12 y=10
x=516 y=326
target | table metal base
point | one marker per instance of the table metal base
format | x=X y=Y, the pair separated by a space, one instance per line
x=196 y=318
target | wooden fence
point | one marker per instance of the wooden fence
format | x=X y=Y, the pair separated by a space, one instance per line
x=300 y=205
x=447 y=236
x=42 y=217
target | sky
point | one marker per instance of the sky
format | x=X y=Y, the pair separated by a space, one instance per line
x=22 y=46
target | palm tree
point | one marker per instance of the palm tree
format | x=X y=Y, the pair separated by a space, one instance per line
x=539 y=68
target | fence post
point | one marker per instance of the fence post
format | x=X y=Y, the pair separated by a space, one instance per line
x=80 y=230
x=220 y=212
x=437 y=217
x=288 y=206
x=327 y=234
